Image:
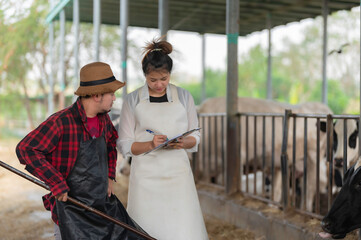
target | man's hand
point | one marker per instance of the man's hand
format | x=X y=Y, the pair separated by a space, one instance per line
x=62 y=197
x=110 y=187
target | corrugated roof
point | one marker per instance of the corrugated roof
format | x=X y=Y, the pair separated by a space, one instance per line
x=209 y=16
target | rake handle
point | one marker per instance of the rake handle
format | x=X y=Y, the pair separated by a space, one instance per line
x=76 y=202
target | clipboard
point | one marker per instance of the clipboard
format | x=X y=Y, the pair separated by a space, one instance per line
x=174 y=139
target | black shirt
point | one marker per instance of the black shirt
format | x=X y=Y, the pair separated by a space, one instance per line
x=159 y=99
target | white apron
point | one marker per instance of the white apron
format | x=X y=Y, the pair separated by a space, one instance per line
x=162 y=196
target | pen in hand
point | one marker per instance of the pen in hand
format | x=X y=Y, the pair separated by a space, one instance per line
x=153 y=133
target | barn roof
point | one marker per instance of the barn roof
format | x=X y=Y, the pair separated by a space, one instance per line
x=205 y=16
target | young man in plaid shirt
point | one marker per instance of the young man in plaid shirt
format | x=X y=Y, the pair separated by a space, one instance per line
x=74 y=153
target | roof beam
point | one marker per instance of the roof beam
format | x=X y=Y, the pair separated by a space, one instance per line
x=56 y=10
x=204 y=15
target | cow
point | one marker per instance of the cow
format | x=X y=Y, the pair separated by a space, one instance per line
x=351 y=149
x=345 y=212
x=258 y=178
x=352 y=142
x=218 y=105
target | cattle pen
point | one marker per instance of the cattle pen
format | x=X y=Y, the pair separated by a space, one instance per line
x=286 y=166
x=307 y=174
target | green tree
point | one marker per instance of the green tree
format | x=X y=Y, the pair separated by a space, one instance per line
x=252 y=73
x=301 y=61
x=22 y=39
x=337 y=98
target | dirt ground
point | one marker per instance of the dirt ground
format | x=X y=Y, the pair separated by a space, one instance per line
x=23 y=216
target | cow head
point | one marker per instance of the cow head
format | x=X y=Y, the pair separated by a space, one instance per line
x=338 y=142
x=345 y=213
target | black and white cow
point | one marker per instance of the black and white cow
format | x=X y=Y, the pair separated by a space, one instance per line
x=338 y=147
x=338 y=142
x=345 y=213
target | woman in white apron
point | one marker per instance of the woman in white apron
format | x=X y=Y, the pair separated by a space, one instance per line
x=162 y=195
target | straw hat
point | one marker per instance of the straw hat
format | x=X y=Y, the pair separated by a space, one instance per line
x=97 y=78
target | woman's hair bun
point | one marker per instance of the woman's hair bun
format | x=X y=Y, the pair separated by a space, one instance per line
x=157 y=45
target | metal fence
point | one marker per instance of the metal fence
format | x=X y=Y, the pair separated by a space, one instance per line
x=286 y=159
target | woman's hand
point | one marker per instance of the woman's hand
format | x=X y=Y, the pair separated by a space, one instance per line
x=142 y=147
x=177 y=144
x=158 y=139
x=182 y=143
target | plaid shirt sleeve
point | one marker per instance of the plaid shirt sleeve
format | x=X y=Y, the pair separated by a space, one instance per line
x=33 y=149
x=111 y=139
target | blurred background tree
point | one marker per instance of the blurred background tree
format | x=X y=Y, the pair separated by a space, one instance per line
x=24 y=60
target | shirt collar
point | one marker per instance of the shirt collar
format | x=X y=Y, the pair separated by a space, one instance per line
x=81 y=109
x=144 y=93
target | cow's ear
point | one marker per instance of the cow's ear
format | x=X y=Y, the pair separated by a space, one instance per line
x=323 y=126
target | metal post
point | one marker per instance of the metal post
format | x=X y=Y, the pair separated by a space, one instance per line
x=62 y=60
x=96 y=25
x=163 y=18
x=329 y=157
x=203 y=93
x=124 y=21
x=233 y=161
x=324 y=52
x=76 y=45
x=269 y=60
x=284 y=160
x=51 y=72
x=305 y=158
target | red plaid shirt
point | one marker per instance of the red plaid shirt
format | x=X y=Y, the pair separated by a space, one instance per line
x=49 y=152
